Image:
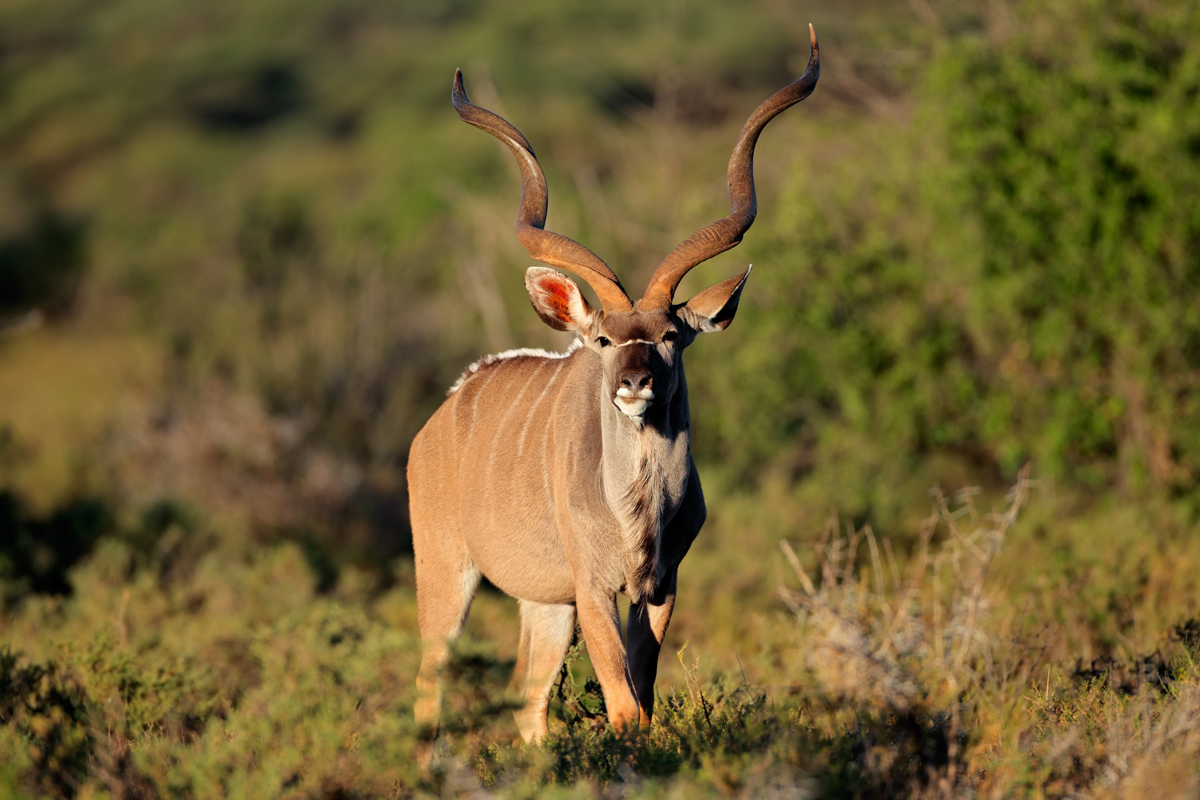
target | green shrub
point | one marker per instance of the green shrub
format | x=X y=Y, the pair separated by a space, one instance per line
x=1010 y=276
x=1077 y=148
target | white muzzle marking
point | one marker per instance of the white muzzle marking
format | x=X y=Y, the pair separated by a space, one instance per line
x=633 y=404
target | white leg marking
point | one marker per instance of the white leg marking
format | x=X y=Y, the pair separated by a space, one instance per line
x=470 y=584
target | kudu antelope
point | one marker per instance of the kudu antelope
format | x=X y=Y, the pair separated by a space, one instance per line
x=567 y=478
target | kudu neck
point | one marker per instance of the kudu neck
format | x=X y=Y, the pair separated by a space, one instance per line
x=663 y=436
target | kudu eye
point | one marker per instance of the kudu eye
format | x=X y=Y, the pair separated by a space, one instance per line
x=670 y=336
x=603 y=341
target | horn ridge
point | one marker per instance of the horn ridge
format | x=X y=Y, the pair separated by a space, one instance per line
x=726 y=233
x=545 y=246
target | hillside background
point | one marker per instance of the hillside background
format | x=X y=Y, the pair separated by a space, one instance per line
x=245 y=247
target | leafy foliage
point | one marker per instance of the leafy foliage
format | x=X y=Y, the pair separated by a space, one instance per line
x=42 y=265
x=1013 y=278
x=1079 y=163
x=35 y=554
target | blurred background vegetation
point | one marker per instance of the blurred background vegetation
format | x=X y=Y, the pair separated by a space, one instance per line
x=245 y=247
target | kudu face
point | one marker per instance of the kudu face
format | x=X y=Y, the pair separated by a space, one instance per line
x=641 y=350
x=641 y=357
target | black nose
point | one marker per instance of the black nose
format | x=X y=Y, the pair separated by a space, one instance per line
x=637 y=380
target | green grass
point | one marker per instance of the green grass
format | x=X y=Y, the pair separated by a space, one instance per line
x=863 y=670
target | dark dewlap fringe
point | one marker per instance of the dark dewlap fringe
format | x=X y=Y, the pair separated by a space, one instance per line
x=645 y=502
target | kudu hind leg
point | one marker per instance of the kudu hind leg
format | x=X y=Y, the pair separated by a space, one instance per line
x=443 y=599
x=546 y=632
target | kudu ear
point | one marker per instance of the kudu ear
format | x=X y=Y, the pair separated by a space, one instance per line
x=558 y=301
x=713 y=309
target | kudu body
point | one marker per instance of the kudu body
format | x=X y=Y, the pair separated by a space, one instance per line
x=568 y=478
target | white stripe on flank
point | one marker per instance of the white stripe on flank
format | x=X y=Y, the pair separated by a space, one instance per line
x=475 y=402
x=512 y=406
x=533 y=408
x=546 y=467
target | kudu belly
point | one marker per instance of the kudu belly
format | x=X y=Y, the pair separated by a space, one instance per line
x=515 y=544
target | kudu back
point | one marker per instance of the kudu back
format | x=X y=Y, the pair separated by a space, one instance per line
x=566 y=478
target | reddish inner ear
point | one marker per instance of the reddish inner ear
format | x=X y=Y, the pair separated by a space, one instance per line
x=557 y=298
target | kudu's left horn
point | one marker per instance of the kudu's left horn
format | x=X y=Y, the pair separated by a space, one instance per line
x=545 y=246
x=726 y=233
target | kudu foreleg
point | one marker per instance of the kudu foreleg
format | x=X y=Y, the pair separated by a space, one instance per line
x=648 y=622
x=601 y=625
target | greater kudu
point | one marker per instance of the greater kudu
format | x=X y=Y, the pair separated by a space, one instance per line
x=567 y=478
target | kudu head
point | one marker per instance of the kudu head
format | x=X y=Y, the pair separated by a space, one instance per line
x=640 y=344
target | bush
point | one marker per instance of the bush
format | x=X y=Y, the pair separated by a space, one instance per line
x=1077 y=145
x=36 y=552
x=1012 y=277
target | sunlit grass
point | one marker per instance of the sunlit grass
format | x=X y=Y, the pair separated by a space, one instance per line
x=928 y=672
